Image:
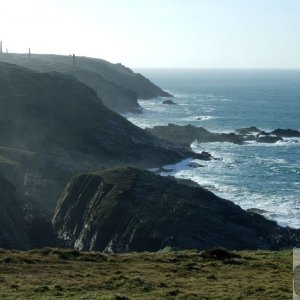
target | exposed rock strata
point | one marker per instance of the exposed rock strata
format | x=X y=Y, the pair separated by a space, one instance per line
x=126 y=209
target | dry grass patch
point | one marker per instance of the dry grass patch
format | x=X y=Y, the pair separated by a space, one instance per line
x=70 y=274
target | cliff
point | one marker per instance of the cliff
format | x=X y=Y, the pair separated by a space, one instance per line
x=117 y=86
x=52 y=126
x=12 y=226
x=126 y=209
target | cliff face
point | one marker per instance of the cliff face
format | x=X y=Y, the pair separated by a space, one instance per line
x=12 y=226
x=53 y=126
x=117 y=86
x=122 y=76
x=22 y=224
x=126 y=209
x=50 y=112
x=113 y=96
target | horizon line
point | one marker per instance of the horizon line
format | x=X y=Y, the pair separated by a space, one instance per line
x=218 y=68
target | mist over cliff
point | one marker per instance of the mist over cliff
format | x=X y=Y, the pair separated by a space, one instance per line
x=118 y=86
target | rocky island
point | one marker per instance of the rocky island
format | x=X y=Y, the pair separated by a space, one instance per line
x=185 y=135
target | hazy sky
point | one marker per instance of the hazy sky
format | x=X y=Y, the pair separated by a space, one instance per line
x=158 y=33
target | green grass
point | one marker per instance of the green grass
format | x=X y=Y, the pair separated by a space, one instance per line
x=68 y=274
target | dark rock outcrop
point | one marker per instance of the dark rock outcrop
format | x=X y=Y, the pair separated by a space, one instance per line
x=12 y=226
x=38 y=226
x=185 y=135
x=169 y=102
x=127 y=209
x=256 y=210
x=117 y=86
x=22 y=224
x=268 y=138
x=250 y=132
x=247 y=130
x=286 y=132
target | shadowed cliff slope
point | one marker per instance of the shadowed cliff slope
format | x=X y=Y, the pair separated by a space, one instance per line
x=53 y=126
x=117 y=86
x=46 y=112
x=127 y=209
x=12 y=226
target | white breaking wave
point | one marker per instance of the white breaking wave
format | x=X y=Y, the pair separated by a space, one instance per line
x=254 y=175
x=274 y=207
x=200 y=118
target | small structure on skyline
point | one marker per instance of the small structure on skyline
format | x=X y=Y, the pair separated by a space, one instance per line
x=0 y=47
x=74 y=62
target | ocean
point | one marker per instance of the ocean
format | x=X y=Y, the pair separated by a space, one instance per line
x=254 y=175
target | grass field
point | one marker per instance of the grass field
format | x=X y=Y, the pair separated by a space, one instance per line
x=67 y=274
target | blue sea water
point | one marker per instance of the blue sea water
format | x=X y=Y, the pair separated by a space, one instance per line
x=264 y=176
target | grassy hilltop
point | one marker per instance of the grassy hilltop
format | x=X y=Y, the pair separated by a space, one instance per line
x=69 y=274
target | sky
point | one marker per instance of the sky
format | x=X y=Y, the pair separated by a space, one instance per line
x=158 y=33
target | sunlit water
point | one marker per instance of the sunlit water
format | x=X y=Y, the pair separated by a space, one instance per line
x=264 y=176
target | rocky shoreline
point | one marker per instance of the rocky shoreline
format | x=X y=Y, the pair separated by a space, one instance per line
x=185 y=135
x=127 y=209
x=54 y=127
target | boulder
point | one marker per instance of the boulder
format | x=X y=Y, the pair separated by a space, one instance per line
x=185 y=135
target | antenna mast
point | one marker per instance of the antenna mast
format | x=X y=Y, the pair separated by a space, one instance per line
x=73 y=62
